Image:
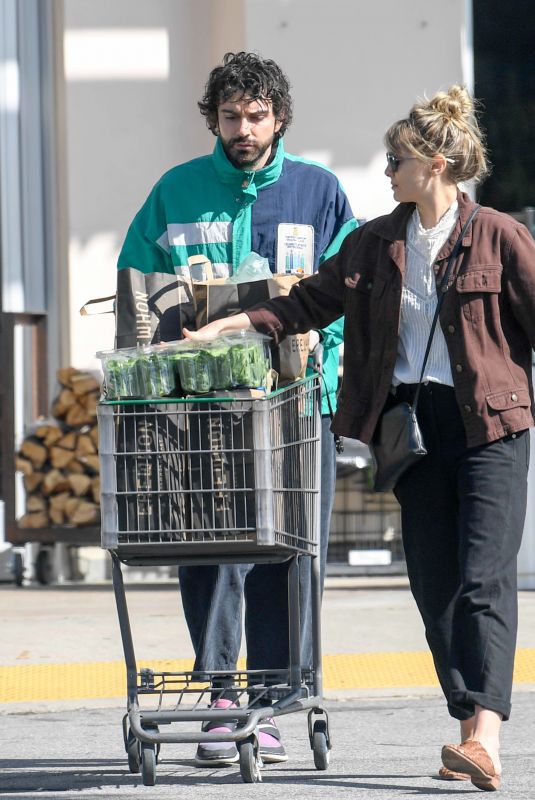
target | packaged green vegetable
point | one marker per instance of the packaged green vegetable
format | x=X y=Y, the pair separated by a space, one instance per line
x=156 y=373
x=221 y=366
x=249 y=364
x=121 y=378
x=194 y=371
x=240 y=359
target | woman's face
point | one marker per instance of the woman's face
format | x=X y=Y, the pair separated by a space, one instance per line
x=409 y=176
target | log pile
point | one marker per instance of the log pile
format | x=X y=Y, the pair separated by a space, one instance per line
x=59 y=458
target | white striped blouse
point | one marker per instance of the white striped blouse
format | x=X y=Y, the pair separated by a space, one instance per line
x=419 y=302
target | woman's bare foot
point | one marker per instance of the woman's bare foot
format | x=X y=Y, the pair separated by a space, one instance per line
x=486 y=731
x=467 y=728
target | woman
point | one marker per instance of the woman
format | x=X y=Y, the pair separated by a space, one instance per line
x=463 y=504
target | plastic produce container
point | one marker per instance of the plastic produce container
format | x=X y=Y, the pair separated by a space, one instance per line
x=193 y=370
x=156 y=373
x=121 y=376
x=235 y=360
x=250 y=359
x=173 y=369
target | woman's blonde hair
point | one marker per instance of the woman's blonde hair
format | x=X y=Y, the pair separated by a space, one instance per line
x=445 y=124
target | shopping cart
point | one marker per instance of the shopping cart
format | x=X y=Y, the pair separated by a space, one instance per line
x=211 y=480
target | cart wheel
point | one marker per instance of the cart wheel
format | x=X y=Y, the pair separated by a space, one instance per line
x=157 y=746
x=250 y=762
x=43 y=567
x=148 y=763
x=320 y=747
x=134 y=755
x=17 y=568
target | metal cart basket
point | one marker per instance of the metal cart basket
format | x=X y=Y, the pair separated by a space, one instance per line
x=232 y=478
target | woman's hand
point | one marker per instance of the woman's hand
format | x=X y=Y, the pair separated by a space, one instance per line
x=351 y=283
x=238 y=322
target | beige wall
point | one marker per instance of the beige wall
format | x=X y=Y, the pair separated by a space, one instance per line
x=354 y=67
x=124 y=132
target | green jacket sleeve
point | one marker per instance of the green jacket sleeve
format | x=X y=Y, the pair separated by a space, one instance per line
x=333 y=334
x=146 y=246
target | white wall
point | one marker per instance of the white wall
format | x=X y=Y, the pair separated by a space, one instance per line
x=134 y=73
x=354 y=66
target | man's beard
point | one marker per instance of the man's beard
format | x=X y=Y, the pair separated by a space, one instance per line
x=243 y=159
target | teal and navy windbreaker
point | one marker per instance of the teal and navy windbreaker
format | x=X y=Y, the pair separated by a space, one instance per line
x=207 y=206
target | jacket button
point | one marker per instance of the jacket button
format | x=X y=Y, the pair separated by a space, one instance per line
x=451 y=328
x=459 y=367
x=468 y=409
x=369 y=285
x=514 y=397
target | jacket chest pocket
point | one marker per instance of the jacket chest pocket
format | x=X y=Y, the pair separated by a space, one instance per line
x=369 y=287
x=478 y=291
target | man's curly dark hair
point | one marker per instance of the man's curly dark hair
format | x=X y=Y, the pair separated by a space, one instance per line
x=250 y=76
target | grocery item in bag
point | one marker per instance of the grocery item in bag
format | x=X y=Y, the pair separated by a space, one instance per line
x=218 y=298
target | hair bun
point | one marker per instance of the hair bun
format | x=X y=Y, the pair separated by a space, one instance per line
x=446 y=124
x=455 y=105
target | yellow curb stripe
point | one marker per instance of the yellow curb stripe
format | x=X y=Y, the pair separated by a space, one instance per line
x=378 y=670
x=107 y=679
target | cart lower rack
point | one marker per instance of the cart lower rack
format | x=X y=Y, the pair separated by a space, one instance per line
x=212 y=480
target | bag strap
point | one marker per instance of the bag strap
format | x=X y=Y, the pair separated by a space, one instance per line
x=315 y=359
x=442 y=288
x=85 y=311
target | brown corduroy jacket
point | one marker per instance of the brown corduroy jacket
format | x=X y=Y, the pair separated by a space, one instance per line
x=488 y=319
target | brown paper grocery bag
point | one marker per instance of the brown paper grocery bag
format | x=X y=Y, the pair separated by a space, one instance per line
x=154 y=307
x=216 y=298
x=151 y=307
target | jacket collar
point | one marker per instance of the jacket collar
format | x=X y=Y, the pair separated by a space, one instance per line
x=393 y=228
x=247 y=181
x=465 y=207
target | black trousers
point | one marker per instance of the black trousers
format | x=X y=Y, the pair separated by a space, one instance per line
x=462 y=513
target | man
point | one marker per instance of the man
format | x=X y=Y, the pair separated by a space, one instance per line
x=248 y=195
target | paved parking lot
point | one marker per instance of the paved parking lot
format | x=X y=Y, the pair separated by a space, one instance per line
x=61 y=653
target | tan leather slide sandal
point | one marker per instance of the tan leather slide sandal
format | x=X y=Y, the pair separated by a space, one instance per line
x=446 y=774
x=472 y=758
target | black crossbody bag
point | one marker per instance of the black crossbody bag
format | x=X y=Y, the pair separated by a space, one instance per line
x=398 y=442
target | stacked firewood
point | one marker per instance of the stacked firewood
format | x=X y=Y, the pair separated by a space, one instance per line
x=59 y=458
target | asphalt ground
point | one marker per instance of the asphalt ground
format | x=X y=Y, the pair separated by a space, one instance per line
x=382 y=749
x=62 y=695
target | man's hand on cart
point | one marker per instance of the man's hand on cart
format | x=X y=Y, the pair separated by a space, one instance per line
x=238 y=322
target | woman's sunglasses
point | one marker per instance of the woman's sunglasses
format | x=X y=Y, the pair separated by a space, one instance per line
x=394 y=161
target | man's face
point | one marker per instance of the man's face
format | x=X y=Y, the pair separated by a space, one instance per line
x=247 y=129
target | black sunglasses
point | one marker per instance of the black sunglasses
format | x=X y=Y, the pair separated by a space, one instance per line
x=394 y=161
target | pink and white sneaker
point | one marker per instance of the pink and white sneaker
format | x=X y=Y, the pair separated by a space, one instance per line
x=218 y=754
x=270 y=748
